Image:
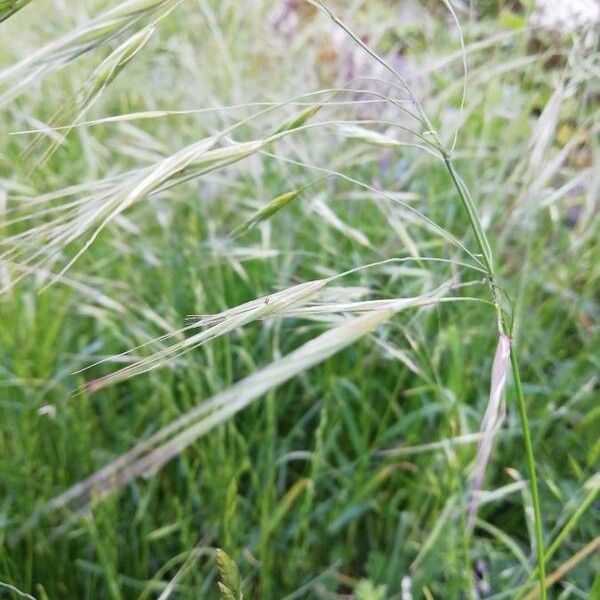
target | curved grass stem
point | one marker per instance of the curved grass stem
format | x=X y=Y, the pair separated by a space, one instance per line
x=487 y=263
x=484 y=247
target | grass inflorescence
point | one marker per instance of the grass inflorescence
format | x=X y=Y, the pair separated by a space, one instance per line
x=261 y=300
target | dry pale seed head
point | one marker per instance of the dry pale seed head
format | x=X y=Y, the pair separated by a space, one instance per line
x=98 y=82
x=493 y=417
x=216 y=326
x=41 y=245
x=368 y=136
x=151 y=454
x=296 y=301
x=64 y=50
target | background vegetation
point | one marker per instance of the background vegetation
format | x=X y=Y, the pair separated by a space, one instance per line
x=353 y=479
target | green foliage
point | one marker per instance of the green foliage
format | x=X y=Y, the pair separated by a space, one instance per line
x=10 y=7
x=595 y=590
x=267 y=211
x=230 y=584
x=367 y=590
x=339 y=479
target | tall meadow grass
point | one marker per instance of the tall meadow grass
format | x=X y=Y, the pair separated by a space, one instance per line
x=327 y=225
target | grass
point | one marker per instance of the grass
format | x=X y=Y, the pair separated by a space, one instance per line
x=353 y=476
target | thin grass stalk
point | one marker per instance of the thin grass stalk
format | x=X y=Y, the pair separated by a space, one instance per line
x=560 y=538
x=485 y=250
x=557 y=575
x=521 y=406
x=537 y=513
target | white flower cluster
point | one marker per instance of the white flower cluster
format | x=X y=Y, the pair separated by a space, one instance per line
x=566 y=15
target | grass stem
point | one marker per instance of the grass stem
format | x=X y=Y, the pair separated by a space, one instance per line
x=488 y=261
x=537 y=513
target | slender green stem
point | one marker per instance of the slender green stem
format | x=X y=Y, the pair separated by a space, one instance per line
x=473 y=216
x=488 y=262
x=537 y=513
x=560 y=538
